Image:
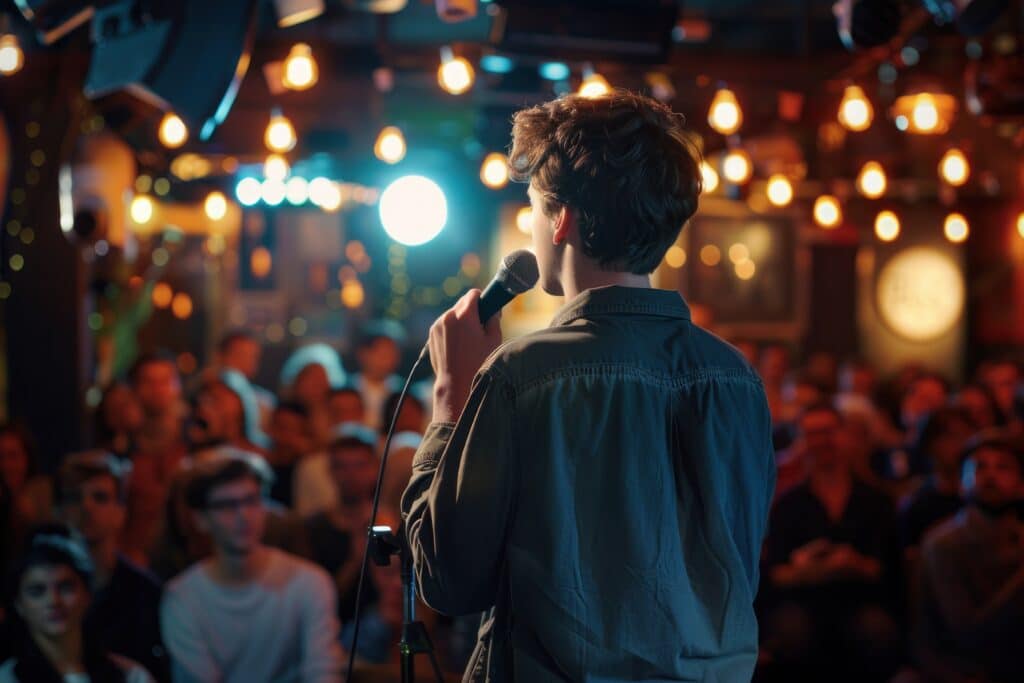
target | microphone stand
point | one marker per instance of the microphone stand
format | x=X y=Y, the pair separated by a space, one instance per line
x=381 y=544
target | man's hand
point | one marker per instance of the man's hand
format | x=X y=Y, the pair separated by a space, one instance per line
x=459 y=345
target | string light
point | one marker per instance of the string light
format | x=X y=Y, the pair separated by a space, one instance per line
x=709 y=177
x=710 y=255
x=181 y=305
x=745 y=269
x=494 y=171
x=276 y=167
x=524 y=220
x=675 y=257
x=141 y=209
x=925 y=115
x=455 y=74
x=172 y=132
x=390 y=145
x=594 y=85
x=956 y=228
x=280 y=134
x=248 y=191
x=1020 y=224
x=260 y=262
x=855 y=111
x=780 y=190
x=352 y=294
x=954 y=168
x=887 y=226
x=737 y=167
x=162 y=295
x=215 y=206
x=827 y=211
x=12 y=58
x=272 y=192
x=296 y=191
x=871 y=181
x=300 y=69
x=725 y=115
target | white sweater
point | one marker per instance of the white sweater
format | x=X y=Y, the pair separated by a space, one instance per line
x=280 y=628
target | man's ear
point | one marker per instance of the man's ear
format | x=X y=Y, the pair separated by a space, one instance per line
x=565 y=221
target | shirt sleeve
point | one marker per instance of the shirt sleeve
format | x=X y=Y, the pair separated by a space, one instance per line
x=458 y=503
x=191 y=660
x=321 y=652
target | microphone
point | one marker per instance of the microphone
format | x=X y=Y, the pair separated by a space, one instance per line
x=518 y=273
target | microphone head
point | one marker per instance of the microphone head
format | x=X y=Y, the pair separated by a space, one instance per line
x=518 y=272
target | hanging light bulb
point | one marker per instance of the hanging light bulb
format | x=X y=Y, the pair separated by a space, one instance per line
x=215 y=206
x=300 y=69
x=855 y=110
x=827 y=211
x=1020 y=224
x=494 y=171
x=725 y=115
x=280 y=134
x=871 y=181
x=737 y=167
x=953 y=168
x=12 y=58
x=172 y=132
x=780 y=190
x=455 y=73
x=141 y=209
x=390 y=145
x=956 y=228
x=709 y=177
x=925 y=115
x=594 y=84
x=887 y=226
x=276 y=167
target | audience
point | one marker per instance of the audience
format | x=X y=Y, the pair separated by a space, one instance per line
x=827 y=557
x=972 y=617
x=179 y=488
x=272 y=614
x=52 y=589
x=124 y=614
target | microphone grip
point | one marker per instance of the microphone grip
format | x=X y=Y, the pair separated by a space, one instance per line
x=493 y=299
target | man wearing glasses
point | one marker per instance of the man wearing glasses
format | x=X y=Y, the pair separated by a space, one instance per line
x=249 y=612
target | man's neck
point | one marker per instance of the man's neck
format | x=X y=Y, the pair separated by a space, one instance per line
x=234 y=569
x=64 y=651
x=580 y=274
x=104 y=558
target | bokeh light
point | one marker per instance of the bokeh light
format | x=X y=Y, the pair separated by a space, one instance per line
x=413 y=210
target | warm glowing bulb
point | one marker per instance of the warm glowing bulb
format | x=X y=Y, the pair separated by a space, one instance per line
x=780 y=190
x=887 y=226
x=455 y=75
x=172 y=133
x=141 y=209
x=181 y=305
x=956 y=228
x=260 y=262
x=745 y=269
x=280 y=134
x=296 y=190
x=954 y=168
x=737 y=167
x=827 y=212
x=1020 y=224
x=725 y=115
x=710 y=255
x=11 y=56
x=594 y=85
x=494 y=171
x=871 y=182
x=855 y=111
x=300 y=69
x=390 y=145
x=352 y=294
x=709 y=177
x=216 y=206
x=675 y=257
x=325 y=194
x=276 y=167
x=524 y=220
x=925 y=115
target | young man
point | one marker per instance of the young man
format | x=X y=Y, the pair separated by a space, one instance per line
x=240 y=351
x=973 y=612
x=601 y=486
x=124 y=613
x=378 y=354
x=249 y=612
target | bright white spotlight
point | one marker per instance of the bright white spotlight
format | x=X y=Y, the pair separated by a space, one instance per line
x=297 y=190
x=248 y=191
x=413 y=210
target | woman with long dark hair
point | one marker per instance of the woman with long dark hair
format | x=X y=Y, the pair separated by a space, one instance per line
x=50 y=593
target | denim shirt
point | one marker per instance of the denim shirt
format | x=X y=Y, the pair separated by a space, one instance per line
x=603 y=497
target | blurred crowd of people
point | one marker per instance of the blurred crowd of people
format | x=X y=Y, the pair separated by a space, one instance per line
x=216 y=530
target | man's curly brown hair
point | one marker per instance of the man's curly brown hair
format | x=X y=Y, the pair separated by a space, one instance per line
x=622 y=162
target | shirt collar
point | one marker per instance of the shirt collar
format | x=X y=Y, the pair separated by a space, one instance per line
x=627 y=300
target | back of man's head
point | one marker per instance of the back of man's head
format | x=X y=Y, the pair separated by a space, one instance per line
x=623 y=163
